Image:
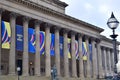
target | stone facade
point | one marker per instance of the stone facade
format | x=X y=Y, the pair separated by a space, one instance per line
x=49 y=16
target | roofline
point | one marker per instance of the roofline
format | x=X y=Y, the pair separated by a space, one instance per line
x=50 y=11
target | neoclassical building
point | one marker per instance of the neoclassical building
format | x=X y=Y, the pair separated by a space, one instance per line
x=88 y=54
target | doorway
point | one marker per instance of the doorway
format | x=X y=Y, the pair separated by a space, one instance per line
x=19 y=64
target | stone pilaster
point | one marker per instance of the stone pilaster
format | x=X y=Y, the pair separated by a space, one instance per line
x=104 y=52
x=110 y=71
x=113 y=62
x=81 y=56
x=37 y=54
x=57 y=51
x=99 y=60
x=94 y=56
x=73 y=55
x=1 y=10
x=66 y=63
x=107 y=62
x=47 y=51
x=88 y=60
x=25 y=45
x=12 y=55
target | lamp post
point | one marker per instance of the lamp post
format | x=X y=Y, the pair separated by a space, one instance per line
x=18 y=70
x=113 y=24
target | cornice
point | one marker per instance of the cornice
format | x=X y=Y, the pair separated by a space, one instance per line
x=108 y=39
x=60 y=3
x=55 y=13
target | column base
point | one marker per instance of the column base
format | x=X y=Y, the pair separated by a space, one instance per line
x=82 y=77
x=88 y=76
x=25 y=74
x=12 y=74
x=95 y=76
x=37 y=75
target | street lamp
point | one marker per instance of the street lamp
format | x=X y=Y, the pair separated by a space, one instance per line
x=18 y=70
x=113 y=24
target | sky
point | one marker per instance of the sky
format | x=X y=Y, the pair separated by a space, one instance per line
x=95 y=12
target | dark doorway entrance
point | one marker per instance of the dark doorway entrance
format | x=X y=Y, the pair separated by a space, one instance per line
x=19 y=64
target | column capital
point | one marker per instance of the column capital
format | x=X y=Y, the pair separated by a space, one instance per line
x=26 y=18
x=86 y=37
x=65 y=30
x=72 y=32
x=80 y=34
x=98 y=40
x=92 y=39
x=56 y=28
x=37 y=22
x=47 y=25
x=13 y=14
x=1 y=10
x=103 y=47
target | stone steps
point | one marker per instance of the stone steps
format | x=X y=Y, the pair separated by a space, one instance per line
x=40 y=78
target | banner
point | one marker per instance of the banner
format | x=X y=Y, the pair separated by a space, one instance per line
x=76 y=49
x=61 y=46
x=31 y=40
x=52 y=45
x=69 y=48
x=84 y=50
x=90 y=51
x=42 y=42
x=19 y=38
x=6 y=34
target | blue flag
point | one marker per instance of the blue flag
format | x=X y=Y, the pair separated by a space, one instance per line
x=90 y=51
x=61 y=45
x=52 y=45
x=19 y=38
x=31 y=40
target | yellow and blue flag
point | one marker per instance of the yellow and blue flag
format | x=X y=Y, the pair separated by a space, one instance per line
x=84 y=50
x=6 y=34
x=69 y=48
x=76 y=49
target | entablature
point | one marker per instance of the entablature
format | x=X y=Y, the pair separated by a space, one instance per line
x=51 y=4
x=50 y=16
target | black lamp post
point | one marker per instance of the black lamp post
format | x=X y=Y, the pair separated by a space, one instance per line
x=113 y=24
x=18 y=70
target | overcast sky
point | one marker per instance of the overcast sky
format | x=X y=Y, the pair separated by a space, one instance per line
x=95 y=12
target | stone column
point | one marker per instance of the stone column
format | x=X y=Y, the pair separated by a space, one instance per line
x=100 y=71
x=107 y=61
x=88 y=60
x=66 y=63
x=104 y=49
x=37 y=54
x=25 y=45
x=1 y=10
x=47 y=51
x=73 y=54
x=112 y=61
x=94 y=56
x=57 y=51
x=110 y=71
x=12 y=54
x=81 y=57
